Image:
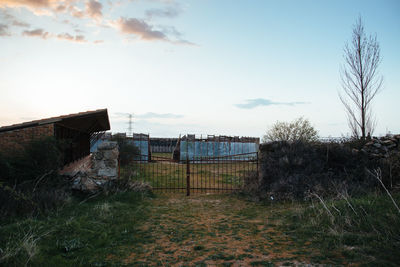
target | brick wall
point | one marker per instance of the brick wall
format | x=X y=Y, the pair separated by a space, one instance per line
x=12 y=140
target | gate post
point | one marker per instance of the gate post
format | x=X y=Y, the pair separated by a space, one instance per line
x=257 y=162
x=187 y=177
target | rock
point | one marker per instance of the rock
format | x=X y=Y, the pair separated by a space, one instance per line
x=103 y=169
x=391 y=146
x=84 y=183
x=98 y=155
x=375 y=155
x=111 y=173
x=377 y=145
x=388 y=142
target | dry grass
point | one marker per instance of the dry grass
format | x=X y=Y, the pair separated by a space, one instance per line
x=216 y=230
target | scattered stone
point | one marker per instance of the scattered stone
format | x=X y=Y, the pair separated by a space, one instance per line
x=84 y=183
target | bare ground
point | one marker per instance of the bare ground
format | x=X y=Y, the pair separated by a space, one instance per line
x=218 y=230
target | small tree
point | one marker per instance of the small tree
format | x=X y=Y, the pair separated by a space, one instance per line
x=127 y=150
x=298 y=130
x=360 y=80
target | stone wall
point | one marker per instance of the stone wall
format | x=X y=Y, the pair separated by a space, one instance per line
x=102 y=168
x=13 y=140
x=381 y=147
x=298 y=170
x=105 y=161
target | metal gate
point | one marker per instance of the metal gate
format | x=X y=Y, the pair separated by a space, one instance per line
x=196 y=175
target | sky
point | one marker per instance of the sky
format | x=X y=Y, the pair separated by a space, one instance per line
x=217 y=67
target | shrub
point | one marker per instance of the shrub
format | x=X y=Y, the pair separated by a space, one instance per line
x=295 y=170
x=127 y=150
x=298 y=130
x=29 y=180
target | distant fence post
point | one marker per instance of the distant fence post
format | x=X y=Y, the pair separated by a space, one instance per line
x=187 y=177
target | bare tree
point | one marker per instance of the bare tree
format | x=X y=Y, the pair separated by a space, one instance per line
x=360 y=80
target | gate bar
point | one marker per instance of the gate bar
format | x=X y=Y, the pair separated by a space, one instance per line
x=187 y=177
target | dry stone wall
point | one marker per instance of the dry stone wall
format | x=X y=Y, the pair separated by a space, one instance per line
x=102 y=169
x=381 y=147
x=298 y=170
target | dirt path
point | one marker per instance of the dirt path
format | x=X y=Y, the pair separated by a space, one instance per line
x=215 y=230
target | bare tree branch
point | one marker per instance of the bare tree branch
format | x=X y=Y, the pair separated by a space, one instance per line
x=360 y=80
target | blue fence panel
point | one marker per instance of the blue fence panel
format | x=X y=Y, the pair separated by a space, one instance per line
x=143 y=146
x=200 y=149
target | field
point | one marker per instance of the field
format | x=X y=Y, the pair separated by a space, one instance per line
x=135 y=229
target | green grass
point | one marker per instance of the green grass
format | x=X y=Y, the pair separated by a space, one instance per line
x=203 y=230
x=363 y=230
x=79 y=234
x=173 y=175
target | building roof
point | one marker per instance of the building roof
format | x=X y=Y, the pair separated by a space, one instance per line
x=89 y=122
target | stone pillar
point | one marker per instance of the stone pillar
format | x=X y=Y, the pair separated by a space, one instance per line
x=105 y=161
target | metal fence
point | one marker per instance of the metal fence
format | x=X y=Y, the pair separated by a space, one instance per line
x=195 y=175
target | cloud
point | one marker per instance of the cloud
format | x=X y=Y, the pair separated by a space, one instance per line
x=152 y=115
x=98 y=41
x=13 y=20
x=72 y=11
x=27 y=3
x=168 y=12
x=148 y=115
x=253 y=103
x=37 y=33
x=139 y=28
x=60 y=8
x=71 y=38
x=93 y=9
x=76 y=12
x=38 y=7
x=20 y=24
x=4 y=30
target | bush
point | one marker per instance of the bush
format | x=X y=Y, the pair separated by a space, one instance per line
x=127 y=151
x=297 y=130
x=29 y=180
x=295 y=170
